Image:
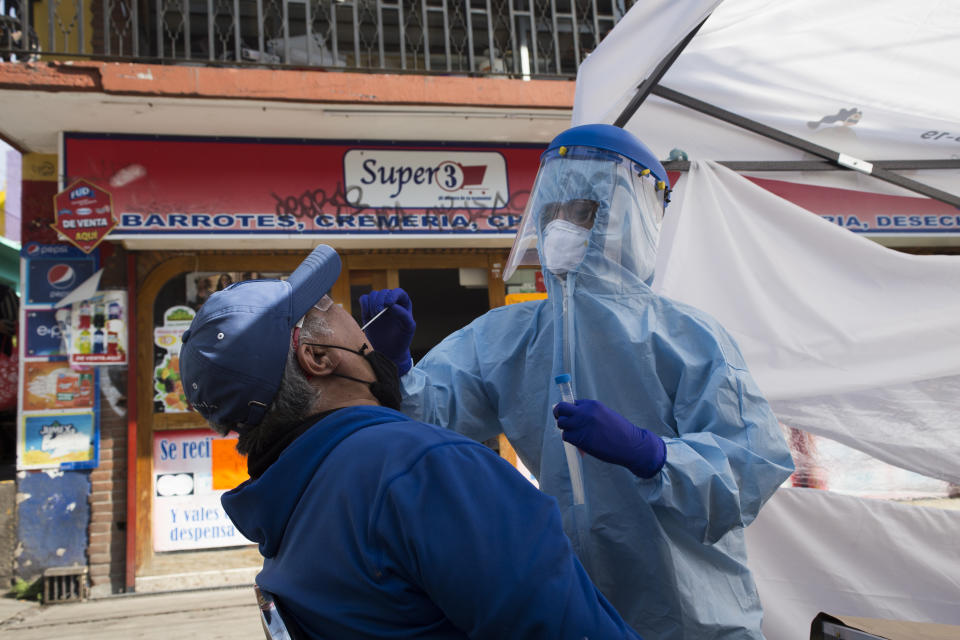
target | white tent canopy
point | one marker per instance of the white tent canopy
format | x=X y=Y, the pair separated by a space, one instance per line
x=869 y=79
x=846 y=338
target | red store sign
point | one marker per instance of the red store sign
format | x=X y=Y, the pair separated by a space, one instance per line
x=200 y=186
x=84 y=214
x=164 y=186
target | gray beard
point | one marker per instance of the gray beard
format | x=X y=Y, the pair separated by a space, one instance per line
x=290 y=406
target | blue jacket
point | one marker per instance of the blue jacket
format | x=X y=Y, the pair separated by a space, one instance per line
x=373 y=525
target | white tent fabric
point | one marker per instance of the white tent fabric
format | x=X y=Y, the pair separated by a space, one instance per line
x=601 y=96
x=868 y=78
x=813 y=551
x=847 y=339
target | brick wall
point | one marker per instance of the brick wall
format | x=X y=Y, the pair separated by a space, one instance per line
x=106 y=550
x=108 y=505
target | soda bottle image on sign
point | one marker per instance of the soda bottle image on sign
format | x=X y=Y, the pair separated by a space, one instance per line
x=98 y=341
x=99 y=315
x=83 y=342
x=86 y=385
x=113 y=310
x=85 y=313
x=113 y=343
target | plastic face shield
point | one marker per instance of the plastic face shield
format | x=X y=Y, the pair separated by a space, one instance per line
x=579 y=211
x=582 y=184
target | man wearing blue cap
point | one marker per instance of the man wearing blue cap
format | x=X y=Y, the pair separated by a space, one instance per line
x=372 y=525
x=683 y=448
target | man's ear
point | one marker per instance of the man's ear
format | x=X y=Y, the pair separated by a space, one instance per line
x=317 y=361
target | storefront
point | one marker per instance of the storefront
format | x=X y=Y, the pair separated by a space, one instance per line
x=192 y=215
x=195 y=214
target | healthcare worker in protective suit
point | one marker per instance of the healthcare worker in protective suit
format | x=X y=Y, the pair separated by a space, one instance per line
x=681 y=449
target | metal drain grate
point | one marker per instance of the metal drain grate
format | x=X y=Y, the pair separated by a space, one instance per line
x=64 y=584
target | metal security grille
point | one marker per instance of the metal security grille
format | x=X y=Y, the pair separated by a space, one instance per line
x=64 y=584
x=520 y=38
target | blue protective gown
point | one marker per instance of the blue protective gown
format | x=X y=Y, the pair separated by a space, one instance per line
x=668 y=552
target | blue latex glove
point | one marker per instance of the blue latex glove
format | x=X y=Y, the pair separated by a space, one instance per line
x=391 y=333
x=605 y=434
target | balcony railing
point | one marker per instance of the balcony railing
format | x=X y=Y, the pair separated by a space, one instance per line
x=520 y=38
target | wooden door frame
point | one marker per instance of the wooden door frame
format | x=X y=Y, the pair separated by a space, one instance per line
x=170 y=265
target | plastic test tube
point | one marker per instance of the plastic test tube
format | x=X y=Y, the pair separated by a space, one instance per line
x=574 y=464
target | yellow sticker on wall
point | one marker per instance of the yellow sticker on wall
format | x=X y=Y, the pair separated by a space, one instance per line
x=513 y=298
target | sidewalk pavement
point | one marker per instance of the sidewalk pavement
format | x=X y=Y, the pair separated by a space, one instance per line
x=214 y=614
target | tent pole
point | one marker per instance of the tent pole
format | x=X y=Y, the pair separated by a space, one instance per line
x=651 y=81
x=814 y=165
x=835 y=157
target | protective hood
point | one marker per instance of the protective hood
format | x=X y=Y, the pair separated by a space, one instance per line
x=615 y=200
x=603 y=193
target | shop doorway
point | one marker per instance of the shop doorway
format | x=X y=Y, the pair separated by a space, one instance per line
x=444 y=300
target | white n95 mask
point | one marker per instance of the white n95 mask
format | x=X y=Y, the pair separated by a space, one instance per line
x=564 y=246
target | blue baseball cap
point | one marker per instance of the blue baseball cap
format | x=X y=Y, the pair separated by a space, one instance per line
x=235 y=351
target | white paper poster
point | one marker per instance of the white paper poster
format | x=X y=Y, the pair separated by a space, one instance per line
x=191 y=470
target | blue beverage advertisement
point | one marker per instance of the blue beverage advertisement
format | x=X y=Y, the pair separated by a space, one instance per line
x=43 y=334
x=50 y=280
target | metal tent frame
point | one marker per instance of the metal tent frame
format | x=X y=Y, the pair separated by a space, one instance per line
x=831 y=160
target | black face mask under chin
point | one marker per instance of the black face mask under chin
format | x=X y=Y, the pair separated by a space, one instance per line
x=386 y=388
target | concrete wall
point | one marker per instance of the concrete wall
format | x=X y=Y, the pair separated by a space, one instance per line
x=8 y=531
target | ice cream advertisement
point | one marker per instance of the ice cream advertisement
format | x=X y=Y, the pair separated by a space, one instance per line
x=57 y=386
x=64 y=440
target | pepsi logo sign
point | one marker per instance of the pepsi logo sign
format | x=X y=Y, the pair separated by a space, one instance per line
x=53 y=331
x=43 y=333
x=35 y=249
x=61 y=276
